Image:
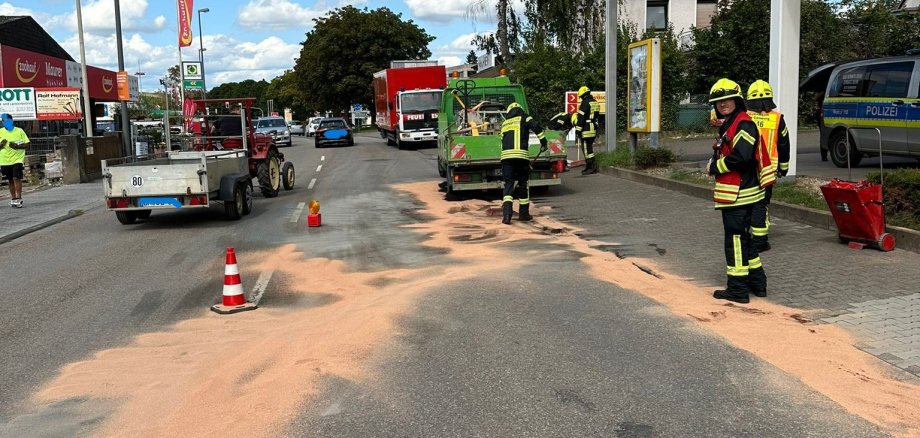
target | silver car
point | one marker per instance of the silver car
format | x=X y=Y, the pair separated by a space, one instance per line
x=276 y=127
x=297 y=128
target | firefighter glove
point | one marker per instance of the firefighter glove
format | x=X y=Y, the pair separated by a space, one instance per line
x=543 y=145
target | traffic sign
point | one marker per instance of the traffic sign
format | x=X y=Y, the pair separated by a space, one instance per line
x=192 y=85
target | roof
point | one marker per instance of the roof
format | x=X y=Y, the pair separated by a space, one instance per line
x=23 y=32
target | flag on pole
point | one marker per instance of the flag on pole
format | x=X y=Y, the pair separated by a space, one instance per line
x=185 y=22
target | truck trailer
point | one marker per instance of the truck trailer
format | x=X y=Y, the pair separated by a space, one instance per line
x=407 y=98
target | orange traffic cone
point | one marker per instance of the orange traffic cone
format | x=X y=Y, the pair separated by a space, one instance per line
x=234 y=299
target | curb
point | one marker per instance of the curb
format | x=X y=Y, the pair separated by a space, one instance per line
x=15 y=235
x=905 y=238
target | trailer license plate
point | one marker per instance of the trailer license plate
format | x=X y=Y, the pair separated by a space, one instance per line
x=159 y=202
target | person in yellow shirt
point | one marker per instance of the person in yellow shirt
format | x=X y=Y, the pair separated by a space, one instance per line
x=13 y=144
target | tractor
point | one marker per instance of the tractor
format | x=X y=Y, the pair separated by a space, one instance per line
x=266 y=162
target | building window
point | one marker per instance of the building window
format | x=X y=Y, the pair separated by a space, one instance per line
x=705 y=9
x=656 y=15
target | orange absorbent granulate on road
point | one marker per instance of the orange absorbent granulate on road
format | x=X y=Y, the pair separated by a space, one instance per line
x=248 y=374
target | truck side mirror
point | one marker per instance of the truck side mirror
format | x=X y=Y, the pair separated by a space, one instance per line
x=391 y=106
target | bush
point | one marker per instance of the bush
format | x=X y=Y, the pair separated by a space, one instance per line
x=902 y=196
x=620 y=157
x=650 y=157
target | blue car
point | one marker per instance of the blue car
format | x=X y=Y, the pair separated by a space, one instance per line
x=333 y=131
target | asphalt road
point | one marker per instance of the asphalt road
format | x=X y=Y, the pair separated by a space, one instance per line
x=540 y=350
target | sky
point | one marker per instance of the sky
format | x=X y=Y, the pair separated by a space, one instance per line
x=243 y=39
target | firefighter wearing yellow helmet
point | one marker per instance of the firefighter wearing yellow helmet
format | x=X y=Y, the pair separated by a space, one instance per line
x=737 y=189
x=586 y=127
x=515 y=160
x=775 y=135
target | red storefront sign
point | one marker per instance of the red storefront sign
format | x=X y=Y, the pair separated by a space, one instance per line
x=22 y=68
x=103 y=84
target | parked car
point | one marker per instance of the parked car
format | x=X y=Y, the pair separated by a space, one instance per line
x=276 y=127
x=862 y=96
x=297 y=127
x=333 y=131
x=312 y=125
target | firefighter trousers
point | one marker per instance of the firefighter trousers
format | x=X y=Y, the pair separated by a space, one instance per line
x=587 y=144
x=743 y=266
x=516 y=174
x=760 y=220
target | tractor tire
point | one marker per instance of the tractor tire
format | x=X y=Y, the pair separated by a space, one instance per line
x=126 y=217
x=143 y=214
x=442 y=169
x=233 y=209
x=838 y=150
x=287 y=173
x=247 y=198
x=269 y=175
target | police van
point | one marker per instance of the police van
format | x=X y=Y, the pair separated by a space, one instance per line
x=879 y=93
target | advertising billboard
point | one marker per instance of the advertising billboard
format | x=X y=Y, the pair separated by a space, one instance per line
x=18 y=102
x=58 y=104
x=643 y=85
x=22 y=68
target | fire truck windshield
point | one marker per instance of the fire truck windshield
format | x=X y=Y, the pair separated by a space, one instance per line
x=420 y=101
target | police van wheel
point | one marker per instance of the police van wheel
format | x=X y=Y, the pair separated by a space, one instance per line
x=838 y=151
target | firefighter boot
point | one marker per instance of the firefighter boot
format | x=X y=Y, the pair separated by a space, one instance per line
x=757 y=281
x=507 y=211
x=590 y=167
x=736 y=291
x=524 y=214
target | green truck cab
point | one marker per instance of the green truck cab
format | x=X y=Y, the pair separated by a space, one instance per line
x=469 y=145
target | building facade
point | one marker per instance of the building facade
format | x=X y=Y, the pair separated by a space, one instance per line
x=682 y=14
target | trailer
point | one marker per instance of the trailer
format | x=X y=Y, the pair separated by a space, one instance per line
x=136 y=186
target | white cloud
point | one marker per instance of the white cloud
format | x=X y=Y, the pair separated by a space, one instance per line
x=444 y=11
x=450 y=61
x=278 y=14
x=98 y=17
x=454 y=53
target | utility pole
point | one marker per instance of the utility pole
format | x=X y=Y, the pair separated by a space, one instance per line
x=610 y=78
x=87 y=108
x=125 y=120
x=204 y=82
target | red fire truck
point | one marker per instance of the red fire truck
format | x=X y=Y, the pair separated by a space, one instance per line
x=407 y=97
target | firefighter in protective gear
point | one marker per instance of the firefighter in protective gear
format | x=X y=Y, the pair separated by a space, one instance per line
x=773 y=131
x=737 y=190
x=516 y=160
x=586 y=127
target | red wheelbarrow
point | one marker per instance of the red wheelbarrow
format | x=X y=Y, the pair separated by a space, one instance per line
x=858 y=208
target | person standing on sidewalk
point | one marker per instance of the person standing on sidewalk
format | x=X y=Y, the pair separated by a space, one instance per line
x=586 y=127
x=516 y=160
x=736 y=191
x=13 y=144
x=775 y=134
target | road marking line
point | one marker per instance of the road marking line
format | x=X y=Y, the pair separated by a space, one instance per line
x=320 y=167
x=296 y=216
x=261 y=284
x=323 y=158
x=312 y=181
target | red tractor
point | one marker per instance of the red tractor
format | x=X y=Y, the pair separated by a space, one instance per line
x=266 y=162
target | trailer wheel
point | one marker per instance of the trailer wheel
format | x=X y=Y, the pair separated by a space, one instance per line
x=442 y=171
x=143 y=214
x=126 y=217
x=234 y=209
x=247 y=198
x=287 y=172
x=269 y=173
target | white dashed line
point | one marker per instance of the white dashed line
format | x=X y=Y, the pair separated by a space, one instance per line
x=323 y=158
x=261 y=284
x=312 y=181
x=320 y=167
x=297 y=212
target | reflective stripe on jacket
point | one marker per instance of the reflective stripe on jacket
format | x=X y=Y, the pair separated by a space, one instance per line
x=737 y=173
x=586 y=122
x=515 y=134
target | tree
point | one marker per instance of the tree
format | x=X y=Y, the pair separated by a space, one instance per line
x=248 y=88
x=471 y=58
x=346 y=47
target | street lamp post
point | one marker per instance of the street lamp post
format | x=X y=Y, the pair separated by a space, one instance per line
x=166 y=133
x=204 y=82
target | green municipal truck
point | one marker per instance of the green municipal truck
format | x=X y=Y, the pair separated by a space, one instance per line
x=469 y=136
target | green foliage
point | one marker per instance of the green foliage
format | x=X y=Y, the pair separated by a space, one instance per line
x=799 y=195
x=902 y=196
x=286 y=94
x=346 y=47
x=620 y=157
x=238 y=90
x=646 y=157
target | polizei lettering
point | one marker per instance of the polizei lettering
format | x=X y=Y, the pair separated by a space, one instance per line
x=881 y=111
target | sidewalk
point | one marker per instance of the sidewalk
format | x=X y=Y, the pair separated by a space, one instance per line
x=46 y=207
x=874 y=295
